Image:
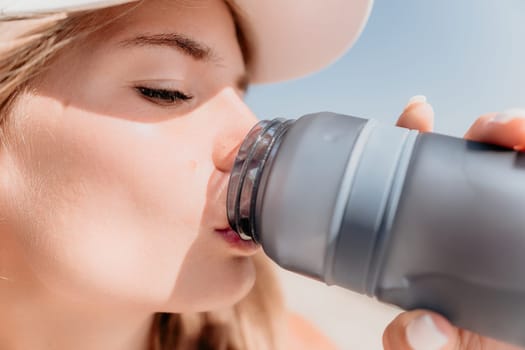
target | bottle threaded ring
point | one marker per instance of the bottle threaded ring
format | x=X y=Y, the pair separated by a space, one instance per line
x=256 y=150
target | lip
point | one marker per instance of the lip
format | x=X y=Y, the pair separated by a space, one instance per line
x=234 y=241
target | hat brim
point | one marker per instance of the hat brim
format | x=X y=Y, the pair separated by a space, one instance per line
x=293 y=38
x=287 y=38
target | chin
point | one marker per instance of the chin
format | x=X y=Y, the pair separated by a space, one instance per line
x=241 y=284
x=214 y=289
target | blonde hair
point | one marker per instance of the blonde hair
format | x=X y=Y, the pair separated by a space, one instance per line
x=27 y=45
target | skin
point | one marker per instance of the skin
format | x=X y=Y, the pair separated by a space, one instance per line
x=110 y=199
x=511 y=134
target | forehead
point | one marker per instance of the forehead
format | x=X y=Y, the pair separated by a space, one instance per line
x=209 y=22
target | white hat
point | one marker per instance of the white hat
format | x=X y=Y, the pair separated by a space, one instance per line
x=288 y=38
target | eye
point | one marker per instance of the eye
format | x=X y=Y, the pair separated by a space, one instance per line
x=163 y=96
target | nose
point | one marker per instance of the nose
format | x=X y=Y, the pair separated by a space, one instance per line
x=238 y=119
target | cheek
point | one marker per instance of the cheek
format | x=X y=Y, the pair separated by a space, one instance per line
x=109 y=208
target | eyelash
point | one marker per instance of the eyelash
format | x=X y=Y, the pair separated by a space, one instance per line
x=163 y=96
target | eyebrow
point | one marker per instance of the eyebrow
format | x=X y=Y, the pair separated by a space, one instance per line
x=188 y=46
x=196 y=50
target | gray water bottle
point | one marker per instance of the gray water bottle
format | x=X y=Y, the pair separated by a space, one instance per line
x=419 y=220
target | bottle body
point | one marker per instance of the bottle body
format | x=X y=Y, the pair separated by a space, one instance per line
x=416 y=220
x=457 y=243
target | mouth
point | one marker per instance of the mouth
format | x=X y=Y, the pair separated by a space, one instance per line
x=235 y=241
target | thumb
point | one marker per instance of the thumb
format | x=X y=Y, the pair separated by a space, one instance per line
x=419 y=330
x=425 y=330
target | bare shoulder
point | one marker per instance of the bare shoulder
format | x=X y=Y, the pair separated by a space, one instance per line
x=302 y=334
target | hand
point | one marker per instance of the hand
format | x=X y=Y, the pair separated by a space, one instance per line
x=425 y=330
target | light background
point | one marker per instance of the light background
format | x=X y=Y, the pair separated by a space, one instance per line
x=466 y=56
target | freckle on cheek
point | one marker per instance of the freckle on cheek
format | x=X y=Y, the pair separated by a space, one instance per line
x=193 y=164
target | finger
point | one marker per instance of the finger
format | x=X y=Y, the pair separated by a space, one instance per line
x=424 y=330
x=419 y=330
x=418 y=114
x=506 y=129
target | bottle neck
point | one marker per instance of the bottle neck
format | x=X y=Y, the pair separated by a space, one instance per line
x=257 y=150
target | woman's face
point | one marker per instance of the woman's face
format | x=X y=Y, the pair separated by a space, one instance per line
x=115 y=182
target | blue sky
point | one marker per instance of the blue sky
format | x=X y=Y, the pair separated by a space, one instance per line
x=466 y=56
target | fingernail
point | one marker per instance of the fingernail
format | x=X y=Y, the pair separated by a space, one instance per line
x=508 y=115
x=423 y=334
x=417 y=99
